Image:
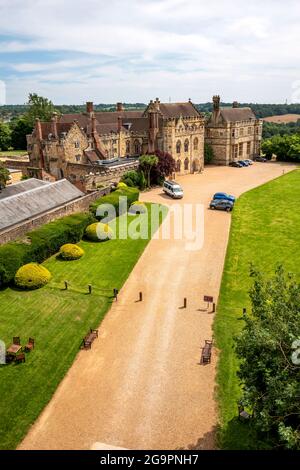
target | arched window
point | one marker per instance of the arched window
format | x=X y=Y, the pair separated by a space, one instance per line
x=128 y=147
x=178 y=146
x=137 y=147
x=186 y=164
x=186 y=145
x=178 y=165
x=196 y=143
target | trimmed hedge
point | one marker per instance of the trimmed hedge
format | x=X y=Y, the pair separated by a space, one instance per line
x=32 y=276
x=98 y=232
x=42 y=243
x=137 y=208
x=132 y=195
x=70 y=252
x=122 y=185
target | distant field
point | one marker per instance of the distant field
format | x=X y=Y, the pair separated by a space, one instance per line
x=285 y=118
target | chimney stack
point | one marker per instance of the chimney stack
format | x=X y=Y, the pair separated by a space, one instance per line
x=157 y=103
x=89 y=107
x=93 y=125
x=38 y=129
x=119 y=107
x=235 y=104
x=119 y=123
x=54 y=125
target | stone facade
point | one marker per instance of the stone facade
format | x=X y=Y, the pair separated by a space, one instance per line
x=233 y=133
x=72 y=146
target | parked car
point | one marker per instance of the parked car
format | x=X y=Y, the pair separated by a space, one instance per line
x=236 y=164
x=250 y=162
x=173 y=189
x=224 y=196
x=221 y=204
x=260 y=159
x=242 y=163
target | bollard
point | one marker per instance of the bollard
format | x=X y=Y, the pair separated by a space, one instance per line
x=214 y=308
x=90 y=289
x=66 y=285
x=141 y=296
x=184 y=302
x=116 y=294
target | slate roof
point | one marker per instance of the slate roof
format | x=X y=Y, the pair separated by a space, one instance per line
x=237 y=114
x=20 y=187
x=175 y=110
x=38 y=200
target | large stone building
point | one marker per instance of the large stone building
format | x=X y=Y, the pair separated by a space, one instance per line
x=73 y=146
x=233 y=133
x=82 y=147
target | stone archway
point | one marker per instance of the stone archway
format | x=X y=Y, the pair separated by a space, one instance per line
x=186 y=164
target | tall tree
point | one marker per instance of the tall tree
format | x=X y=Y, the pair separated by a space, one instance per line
x=165 y=167
x=39 y=107
x=5 y=136
x=147 y=163
x=269 y=351
x=20 y=128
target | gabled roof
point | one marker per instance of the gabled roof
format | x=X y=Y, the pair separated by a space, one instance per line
x=237 y=114
x=175 y=110
x=21 y=187
x=23 y=206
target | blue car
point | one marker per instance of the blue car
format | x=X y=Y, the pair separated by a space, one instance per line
x=243 y=163
x=224 y=196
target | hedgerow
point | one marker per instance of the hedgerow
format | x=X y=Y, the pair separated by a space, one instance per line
x=113 y=199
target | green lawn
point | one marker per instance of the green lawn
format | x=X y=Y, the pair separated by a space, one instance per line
x=58 y=320
x=265 y=231
x=11 y=153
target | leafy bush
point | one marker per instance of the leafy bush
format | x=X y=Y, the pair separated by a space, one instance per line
x=113 y=199
x=134 y=179
x=122 y=185
x=32 y=276
x=98 y=232
x=137 y=207
x=41 y=243
x=69 y=251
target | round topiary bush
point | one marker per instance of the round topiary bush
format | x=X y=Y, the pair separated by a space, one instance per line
x=137 y=207
x=32 y=276
x=70 y=251
x=122 y=185
x=98 y=232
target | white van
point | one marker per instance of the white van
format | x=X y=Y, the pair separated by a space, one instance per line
x=173 y=189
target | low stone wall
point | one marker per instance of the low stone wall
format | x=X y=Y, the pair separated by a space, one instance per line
x=79 y=205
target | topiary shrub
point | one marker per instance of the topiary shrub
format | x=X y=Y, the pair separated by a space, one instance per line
x=122 y=185
x=32 y=276
x=98 y=232
x=137 y=208
x=69 y=252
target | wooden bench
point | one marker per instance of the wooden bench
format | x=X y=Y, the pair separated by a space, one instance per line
x=89 y=338
x=19 y=358
x=206 y=352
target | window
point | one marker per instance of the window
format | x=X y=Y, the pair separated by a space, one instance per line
x=77 y=144
x=248 y=148
x=178 y=165
x=78 y=158
x=241 y=131
x=196 y=143
x=178 y=146
x=128 y=147
x=249 y=130
x=241 y=149
x=137 y=147
x=186 y=145
x=186 y=164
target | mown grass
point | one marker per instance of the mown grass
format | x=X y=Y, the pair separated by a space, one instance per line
x=11 y=153
x=265 y=231
x=58 y=320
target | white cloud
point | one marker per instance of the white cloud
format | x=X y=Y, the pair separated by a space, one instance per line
x=141 y=48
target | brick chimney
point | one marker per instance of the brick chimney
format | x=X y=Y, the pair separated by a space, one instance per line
x=54 y=125
x=119 y=106
x=93 y=125
x=235 y=104
x=157 y=103
x=119 y=123
x=38 y=129
x=89 y=107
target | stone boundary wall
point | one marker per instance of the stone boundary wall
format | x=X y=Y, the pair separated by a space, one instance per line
x=78 y=205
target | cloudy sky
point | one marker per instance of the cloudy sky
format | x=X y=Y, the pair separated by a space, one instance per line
x=73 y=51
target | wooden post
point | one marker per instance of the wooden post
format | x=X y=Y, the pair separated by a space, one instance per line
x=140 y=296
x=244 y=311
x=116 y=293
x=184 y=302
x=90 y=289
x=66 y=285
x=214 y=308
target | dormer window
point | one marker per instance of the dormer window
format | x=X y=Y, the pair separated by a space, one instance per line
x=77 y=144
